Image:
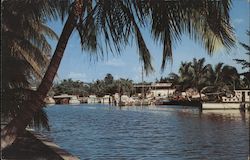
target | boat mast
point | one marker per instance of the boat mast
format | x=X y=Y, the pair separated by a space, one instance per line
x=142 y=85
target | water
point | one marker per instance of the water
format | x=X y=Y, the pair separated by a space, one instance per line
x=163 y=132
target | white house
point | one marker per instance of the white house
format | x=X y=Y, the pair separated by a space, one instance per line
x=160 y=90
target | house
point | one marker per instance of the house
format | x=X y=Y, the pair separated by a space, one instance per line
x=161 y=90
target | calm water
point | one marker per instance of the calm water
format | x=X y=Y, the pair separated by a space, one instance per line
x=163 y=132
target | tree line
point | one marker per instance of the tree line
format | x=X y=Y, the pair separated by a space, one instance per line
x=106 y=86
x=218 y=80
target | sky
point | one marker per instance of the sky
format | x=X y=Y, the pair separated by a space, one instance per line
x=79 y=65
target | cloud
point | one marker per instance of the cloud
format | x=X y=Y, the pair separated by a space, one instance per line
x=77 y=76
x=238 y=20
x=115 y=62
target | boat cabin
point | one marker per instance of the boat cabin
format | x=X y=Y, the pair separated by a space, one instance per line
x=241 y=95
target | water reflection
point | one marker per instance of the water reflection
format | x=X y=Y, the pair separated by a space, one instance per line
x=151 y=132
x=226 y=115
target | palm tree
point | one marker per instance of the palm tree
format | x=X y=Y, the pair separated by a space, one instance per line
x=25 y=56
x=231 y=76
x=205 y=21
x=200 y=74
x=245 y=63
x=221 y=80
x=185 y=75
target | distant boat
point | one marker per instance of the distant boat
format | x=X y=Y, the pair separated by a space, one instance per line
x=92 y=99
x=107 y=99
x=66 y=99
x=74 y=100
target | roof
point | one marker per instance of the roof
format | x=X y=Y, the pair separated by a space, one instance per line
x=153 y=85
x=161 y=84
x=142 y=85
x=64 y=96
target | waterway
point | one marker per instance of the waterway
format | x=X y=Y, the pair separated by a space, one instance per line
x=155 y=132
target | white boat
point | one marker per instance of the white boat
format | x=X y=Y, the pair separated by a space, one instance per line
x=241 y=100
x=221 y=105
x=107 y=99
x=92 y=99
x=74 y=100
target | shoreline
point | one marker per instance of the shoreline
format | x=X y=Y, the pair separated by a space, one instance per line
x=33 y=146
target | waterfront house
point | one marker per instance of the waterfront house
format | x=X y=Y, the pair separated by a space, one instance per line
x=161 y=90
x=157 y=90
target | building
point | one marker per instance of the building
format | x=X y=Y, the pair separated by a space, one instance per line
x=161 y=90
x=157 y=90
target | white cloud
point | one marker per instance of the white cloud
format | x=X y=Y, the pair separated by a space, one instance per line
x=115 y=62
x=77 y=76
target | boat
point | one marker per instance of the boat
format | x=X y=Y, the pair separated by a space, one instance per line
x=92 y=99
x=193 y=103
x=74 y=100
x=107 y=99
x=240 y=100
x=223 y=106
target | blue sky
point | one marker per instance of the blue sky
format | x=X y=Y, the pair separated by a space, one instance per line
x=78 y=65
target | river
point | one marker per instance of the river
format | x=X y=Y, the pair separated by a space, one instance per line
x=155 y=132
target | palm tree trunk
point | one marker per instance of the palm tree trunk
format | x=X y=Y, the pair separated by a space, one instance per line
x=19 y=123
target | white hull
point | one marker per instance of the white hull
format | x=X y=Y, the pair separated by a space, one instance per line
x=221 y=105
x=74 y=101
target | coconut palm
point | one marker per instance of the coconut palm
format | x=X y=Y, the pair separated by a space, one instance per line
x=25 y=56
x=221 y=80
x=116 y=22
x=231 y=76
x=200 y=73
x=185 y=75
x=245 y=63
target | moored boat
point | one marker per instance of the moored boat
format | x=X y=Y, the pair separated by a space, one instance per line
x=74 y=100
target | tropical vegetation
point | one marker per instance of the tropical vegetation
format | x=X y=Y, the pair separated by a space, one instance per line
x=25 y=55
x=117 y=22
x=215 y=80
x=107 y=86
x=245 y=63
